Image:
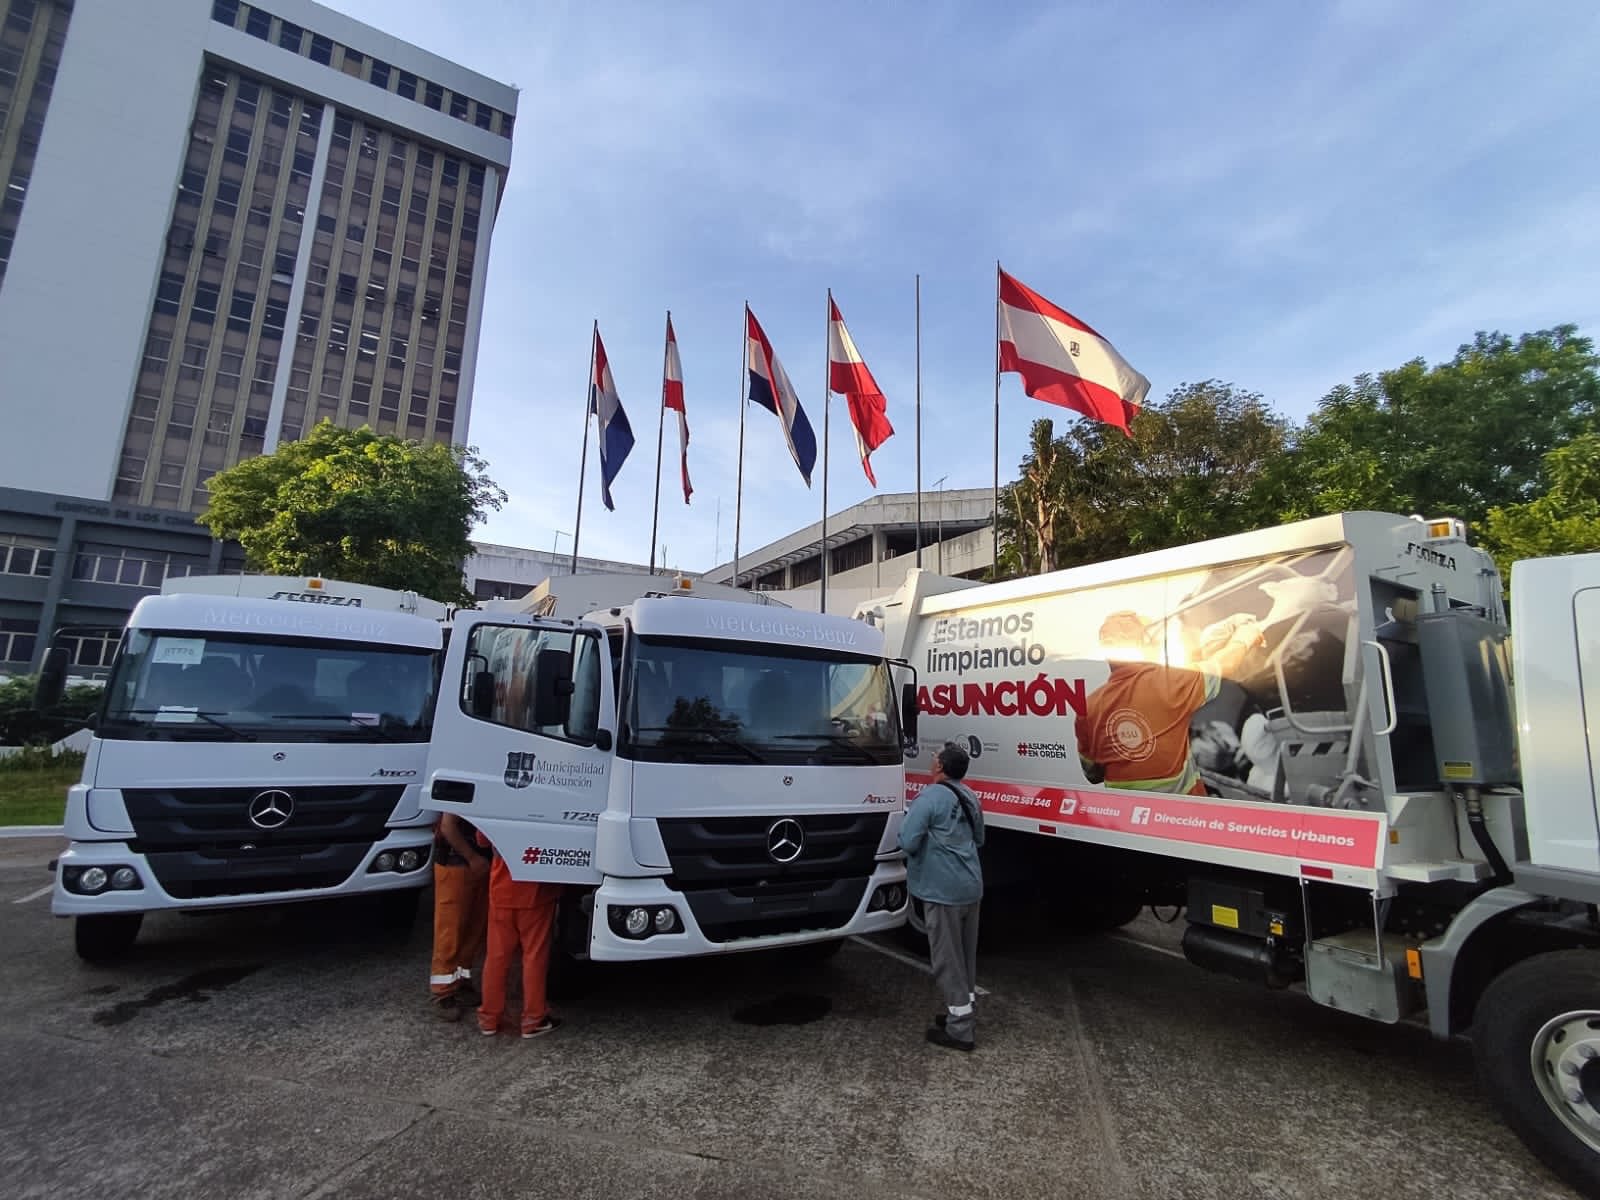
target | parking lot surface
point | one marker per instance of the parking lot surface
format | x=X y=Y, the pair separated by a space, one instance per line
x=292 y=1052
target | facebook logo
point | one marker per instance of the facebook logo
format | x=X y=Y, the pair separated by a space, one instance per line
x=1141 y=815
x=1069 y=805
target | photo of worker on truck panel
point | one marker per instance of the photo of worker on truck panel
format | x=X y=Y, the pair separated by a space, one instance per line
x=1236 y=681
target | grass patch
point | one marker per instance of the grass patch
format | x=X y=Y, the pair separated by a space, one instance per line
x=37 y=796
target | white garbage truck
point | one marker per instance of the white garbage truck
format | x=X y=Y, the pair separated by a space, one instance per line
x=1308 y=737
x=708 y=775
x=261 y=739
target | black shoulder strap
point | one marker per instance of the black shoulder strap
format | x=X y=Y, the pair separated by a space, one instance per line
x=961 y=803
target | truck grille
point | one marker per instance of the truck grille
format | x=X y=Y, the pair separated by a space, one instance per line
x=736 y=890
x=200 y=842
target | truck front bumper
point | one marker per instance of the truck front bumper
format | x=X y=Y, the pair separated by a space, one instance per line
x=616 y=897
x=216 y=883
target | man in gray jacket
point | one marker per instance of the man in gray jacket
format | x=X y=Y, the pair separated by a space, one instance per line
x=941 y=834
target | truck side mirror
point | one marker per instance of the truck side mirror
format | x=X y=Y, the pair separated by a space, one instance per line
x=482 y=698
x=52 y=683
x=908 y=712
x=553 y=687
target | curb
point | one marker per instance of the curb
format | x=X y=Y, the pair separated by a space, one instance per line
x=32 y=831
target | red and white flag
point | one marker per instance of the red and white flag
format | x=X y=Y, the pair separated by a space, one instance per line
x=849 y=377
x=672 y=399
x=1062 y=361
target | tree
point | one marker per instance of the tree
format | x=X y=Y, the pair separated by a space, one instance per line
x=356 y=505
x=1564 y=520
x=1457 y=439
x=1209 y=460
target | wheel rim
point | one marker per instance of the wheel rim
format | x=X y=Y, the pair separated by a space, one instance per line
x=1566 y=1066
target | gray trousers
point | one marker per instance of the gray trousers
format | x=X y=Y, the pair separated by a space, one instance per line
x=953 y=947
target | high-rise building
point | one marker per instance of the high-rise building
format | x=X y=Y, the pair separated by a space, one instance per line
x=221 y=223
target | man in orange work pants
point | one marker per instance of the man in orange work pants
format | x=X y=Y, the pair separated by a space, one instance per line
x=460 y=915
x=522 y=915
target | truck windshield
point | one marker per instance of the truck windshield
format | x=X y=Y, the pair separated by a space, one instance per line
x=699 y=701
x=183 y=686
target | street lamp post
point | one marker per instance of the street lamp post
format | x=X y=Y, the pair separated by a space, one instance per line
x=939 y=487
x=556 y=540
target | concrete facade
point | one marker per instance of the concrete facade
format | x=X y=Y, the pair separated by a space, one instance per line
x=871 y=546
x=93 y=238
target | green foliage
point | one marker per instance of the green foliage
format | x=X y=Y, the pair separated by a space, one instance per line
x=1209 y=460
x=356 y=505
x=1564 y=520
x=36 y=797
x=23 y=725
x=1504 y=435
x=42 y=758
x=1457 y=439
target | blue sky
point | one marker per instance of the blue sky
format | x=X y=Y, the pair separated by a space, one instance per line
x=1279 y=196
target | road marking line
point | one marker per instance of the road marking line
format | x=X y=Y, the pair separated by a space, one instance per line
x=900 y=956
x=1143 y=945
x=44 y=891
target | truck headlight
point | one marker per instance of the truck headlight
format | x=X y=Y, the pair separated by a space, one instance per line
x=637 y=922
x=93 y=880
x=408 y=860
x=124 y=878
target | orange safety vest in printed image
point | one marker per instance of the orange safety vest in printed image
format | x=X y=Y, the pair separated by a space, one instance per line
x=1136 y=726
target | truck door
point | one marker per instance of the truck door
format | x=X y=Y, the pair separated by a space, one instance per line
x=522 y=740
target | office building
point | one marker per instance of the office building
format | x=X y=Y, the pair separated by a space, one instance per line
x=222 y=222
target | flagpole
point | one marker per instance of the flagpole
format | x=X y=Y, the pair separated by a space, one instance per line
x=738 y=495
x=996 y=494
x=661 y=424
x=583 y=462
x=919 y=418
x=827 y=408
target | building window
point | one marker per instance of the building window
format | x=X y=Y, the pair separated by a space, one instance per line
x=408 y=85
x=289 y=37
x=17 y=640
x=433 y=97
x=380 y=74
x=321 y=50
x=458 y=106
x=91 y=650
x=483 y=116
x=225 y=11
x=21 y=555
x=258 y=23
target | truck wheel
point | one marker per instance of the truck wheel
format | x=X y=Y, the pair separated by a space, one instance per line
x=1094 y=912
x=1536 y=1038
x=105 y=937
x=914 y=933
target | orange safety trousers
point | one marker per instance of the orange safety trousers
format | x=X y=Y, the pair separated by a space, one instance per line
x=530 y=929
x=460 y=926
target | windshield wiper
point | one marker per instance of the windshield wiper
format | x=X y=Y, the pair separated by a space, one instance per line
x=715 y=734
x=179 y=714
x=833 y=739
x=387 y=732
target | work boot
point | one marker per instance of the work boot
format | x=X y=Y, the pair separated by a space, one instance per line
x=539 y=1029
x=449 y=1007
x=939 y=1037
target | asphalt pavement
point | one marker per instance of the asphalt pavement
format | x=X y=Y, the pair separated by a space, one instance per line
x=292 y=1053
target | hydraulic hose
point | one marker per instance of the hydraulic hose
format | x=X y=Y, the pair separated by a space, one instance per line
x=1480 y=833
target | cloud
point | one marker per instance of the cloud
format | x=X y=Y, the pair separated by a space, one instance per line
x=1275 y=196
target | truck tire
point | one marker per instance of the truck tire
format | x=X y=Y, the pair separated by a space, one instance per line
x=1536 y=1039
x=105 y=937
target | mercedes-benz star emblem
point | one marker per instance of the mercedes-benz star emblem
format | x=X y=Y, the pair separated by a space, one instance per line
x=271 y=810
x=785 y=840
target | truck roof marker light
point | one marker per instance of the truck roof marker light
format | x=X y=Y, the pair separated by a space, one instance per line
x=313 y=585
x=1445 y=528
x=1316 y=872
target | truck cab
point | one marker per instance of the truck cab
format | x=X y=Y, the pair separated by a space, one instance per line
x=260 y=740
x=710 y=776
